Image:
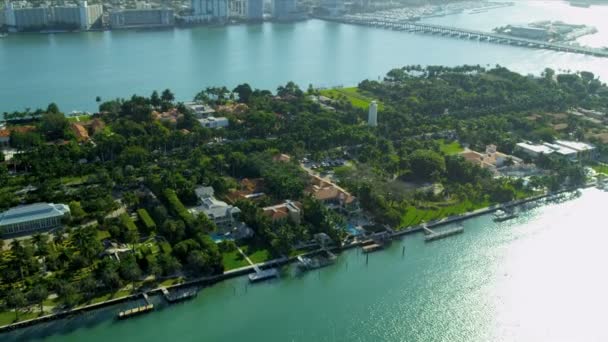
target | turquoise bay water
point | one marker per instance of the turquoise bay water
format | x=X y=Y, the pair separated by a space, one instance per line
x=72 y=69
x=539 y=277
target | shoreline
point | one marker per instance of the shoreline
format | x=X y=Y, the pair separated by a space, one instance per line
x=237 y=272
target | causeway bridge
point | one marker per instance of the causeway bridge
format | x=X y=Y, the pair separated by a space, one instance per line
x=453 y=32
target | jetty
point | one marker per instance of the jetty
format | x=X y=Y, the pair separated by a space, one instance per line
x=138 y=310
x=433 y=235
x=325 y=258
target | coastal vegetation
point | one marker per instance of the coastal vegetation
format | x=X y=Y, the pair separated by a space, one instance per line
x=130 y=181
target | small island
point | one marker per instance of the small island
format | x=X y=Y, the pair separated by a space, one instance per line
x=148 y=192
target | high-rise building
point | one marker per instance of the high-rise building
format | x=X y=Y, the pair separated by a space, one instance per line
x=372 y=116
x=283 y=9
x=208 y=10
x=142 y=18
x=237 y=9
x=81 y=17
x=255 y=9
x=333 y=8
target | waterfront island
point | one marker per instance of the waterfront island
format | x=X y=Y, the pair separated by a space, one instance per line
x=152 y=193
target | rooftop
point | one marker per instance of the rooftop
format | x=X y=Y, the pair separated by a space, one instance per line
x=536 y=148
x=30 y=212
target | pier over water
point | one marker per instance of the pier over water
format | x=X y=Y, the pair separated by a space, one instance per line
x=461 y=33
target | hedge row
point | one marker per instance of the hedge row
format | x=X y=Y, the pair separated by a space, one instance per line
x=127 y=222
x=146 y=219
x=177 y=207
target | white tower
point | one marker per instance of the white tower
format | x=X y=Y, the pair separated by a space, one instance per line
x=372 y=117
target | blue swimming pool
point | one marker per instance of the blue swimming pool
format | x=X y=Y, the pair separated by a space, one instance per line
x=352 y=230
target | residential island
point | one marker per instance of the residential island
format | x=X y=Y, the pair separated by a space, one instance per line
x=148 y=192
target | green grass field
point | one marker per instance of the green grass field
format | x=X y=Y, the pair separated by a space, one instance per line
x=601 y=168
x=414 y=216
x=451 y=148
x=232 y=260
x=79 y=118
x=354 y=95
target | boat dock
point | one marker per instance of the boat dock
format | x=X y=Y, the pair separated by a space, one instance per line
x=138 y=310
x=178 y=295
x=432 y=235
x=261 y=275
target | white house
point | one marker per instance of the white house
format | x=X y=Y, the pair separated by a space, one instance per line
x=224 y=216
x=213 y=122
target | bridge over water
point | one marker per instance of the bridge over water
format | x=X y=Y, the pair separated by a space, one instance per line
x=447 y=31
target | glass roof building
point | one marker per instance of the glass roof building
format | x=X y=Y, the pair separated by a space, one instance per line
x=32 y=218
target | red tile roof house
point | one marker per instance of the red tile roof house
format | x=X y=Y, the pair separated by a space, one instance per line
x=287 y=210
x=332 y=196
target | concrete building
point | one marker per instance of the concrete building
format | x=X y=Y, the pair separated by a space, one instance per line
x=214 y=122
x=209 y=10
x=333 y=8
x=142 y=18
x=372 y=115
x=288 y=210
x=237 y=9
x=533 y=150
x=224 y=216
x=200 y=110
x=255 y=10
x=573 y=150
x=32 y=217
x=81 y=17
x=529 y=32
x=286 y=10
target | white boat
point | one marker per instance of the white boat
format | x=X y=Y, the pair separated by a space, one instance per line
x=3 y=35
x=261 y=275
x=501 y=215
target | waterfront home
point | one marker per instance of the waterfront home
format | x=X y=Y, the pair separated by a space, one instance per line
x=224 y=216
x=33 y=217
x=573 y=150
x=288 y=210
x=492 y=159
x=214 y=122
x=332 y=196
x=200 y=110
x=249 y=188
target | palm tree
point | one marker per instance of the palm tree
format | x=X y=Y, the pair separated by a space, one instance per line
x=38 y=294
x=16 y=300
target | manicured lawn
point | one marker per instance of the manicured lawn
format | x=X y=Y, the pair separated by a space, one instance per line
x=256 y=254
x=74 y=180
x=102 y=235
x=8 y=317
x=601 y=168
x=414 y=216
x=109 y=296
x=79 y=118
x=353 y=94
x=234 y=259
x=451 y=148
